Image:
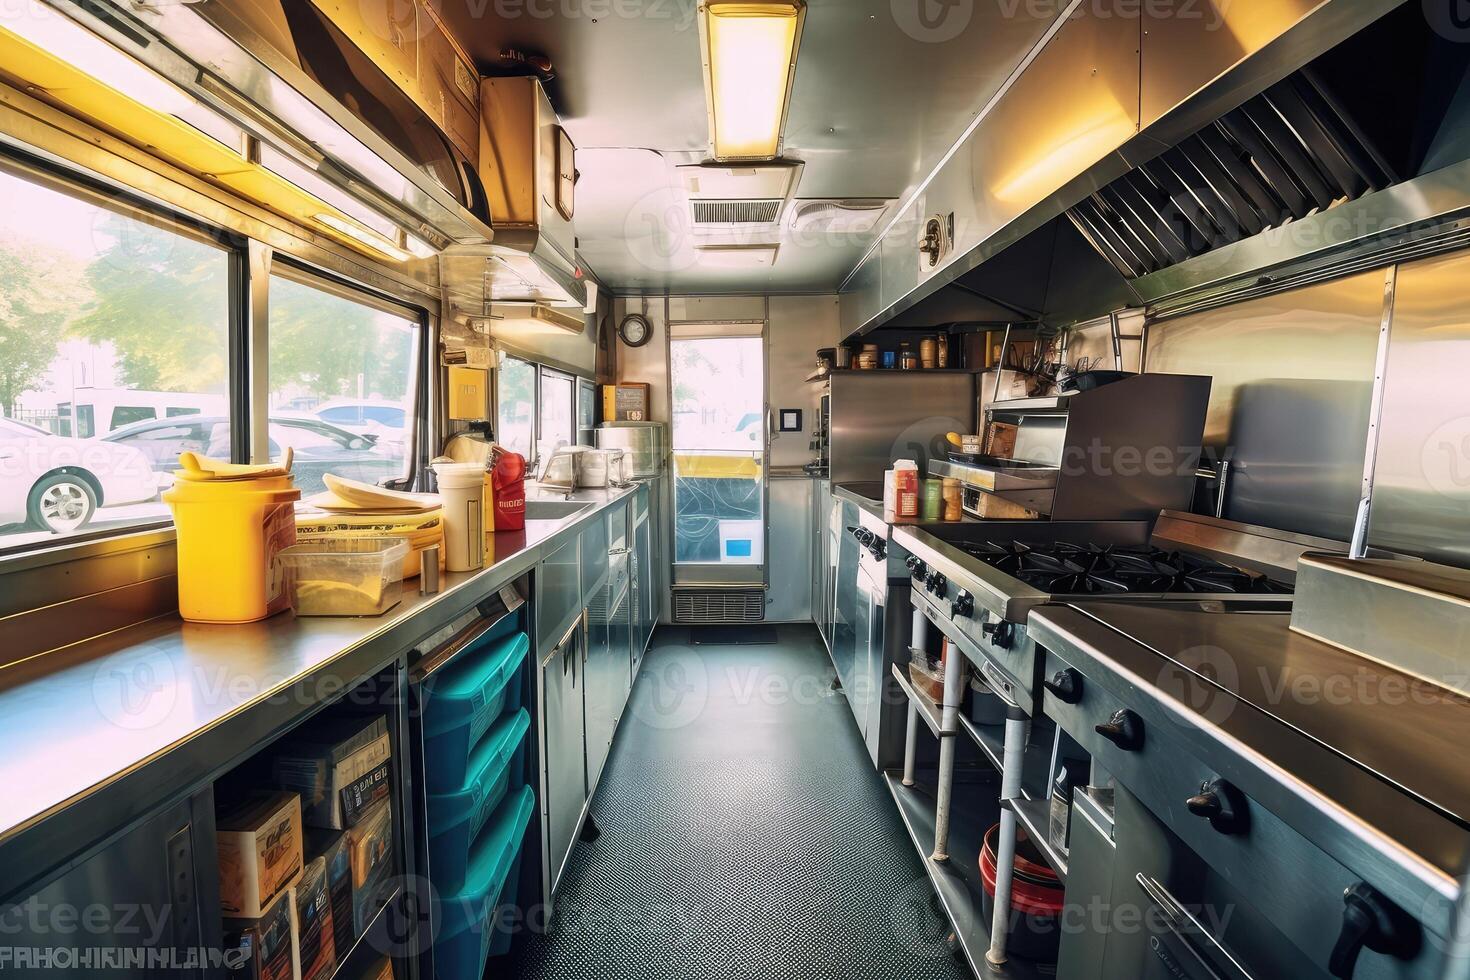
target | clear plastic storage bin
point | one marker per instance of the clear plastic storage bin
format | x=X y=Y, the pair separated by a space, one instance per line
x=345 y=576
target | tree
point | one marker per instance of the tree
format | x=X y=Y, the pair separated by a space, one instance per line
x=322 y=342
x=162 y=300
x=36 y=297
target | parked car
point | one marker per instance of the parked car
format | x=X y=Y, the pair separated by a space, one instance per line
x=56 y=484
x=388 y=421
x=318 y=446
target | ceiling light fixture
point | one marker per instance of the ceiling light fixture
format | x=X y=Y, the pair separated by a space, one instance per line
x=749 y=52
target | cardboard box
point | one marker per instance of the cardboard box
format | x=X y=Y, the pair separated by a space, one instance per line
x=371 y=845
x=326 y=756
x=260 y=851
x=316 y=941
x=628 y=402
x=266 y=944
x=332 y=848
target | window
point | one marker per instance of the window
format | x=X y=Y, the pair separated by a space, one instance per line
x=558 y=426
x=515 y=426
x=107 y=318
x=342 y=377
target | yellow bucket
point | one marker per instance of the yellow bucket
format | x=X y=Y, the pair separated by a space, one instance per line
x=229 y=533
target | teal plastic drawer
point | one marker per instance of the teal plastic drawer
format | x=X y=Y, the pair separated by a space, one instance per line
x=467 y=917
x=462 y=702
x=456 y=819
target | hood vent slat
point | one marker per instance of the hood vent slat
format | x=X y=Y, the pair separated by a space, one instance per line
x=1279 y=157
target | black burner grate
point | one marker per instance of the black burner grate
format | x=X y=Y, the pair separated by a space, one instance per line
x=1062 y=568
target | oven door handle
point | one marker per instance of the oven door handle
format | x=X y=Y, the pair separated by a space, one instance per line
x=1208 y=954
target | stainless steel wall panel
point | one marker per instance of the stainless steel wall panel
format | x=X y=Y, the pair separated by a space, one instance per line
x=880 y=416
x=862 y=297
x=1421 y=483
x=1198 y=48
x=789 y=599
x=899 y=252
x=1293 y=379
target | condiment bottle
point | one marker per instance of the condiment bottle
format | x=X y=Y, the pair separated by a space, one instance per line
x=953 y=509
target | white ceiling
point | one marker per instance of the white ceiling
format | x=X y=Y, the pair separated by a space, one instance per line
x=883 y=89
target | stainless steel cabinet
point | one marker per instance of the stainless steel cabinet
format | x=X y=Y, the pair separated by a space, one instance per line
x=645 y=604
x=845 y=625
x=153 y=888
x=564 y=786
x=609 y=648
x=822 y=558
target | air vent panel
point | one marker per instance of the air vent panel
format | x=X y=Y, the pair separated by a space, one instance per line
x=710 y=607
x=755 y=212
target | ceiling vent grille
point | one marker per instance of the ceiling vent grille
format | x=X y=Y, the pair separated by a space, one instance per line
x=709 y=607
x=736 y=212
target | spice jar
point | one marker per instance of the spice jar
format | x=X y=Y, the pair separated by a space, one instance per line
x=953 y=509
x=907 y=359
x=941 y=350
x=929 y=353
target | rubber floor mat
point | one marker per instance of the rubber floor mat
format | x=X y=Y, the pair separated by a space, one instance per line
x=744 y=834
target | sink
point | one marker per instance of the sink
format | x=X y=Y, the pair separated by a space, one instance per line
x=553 y=510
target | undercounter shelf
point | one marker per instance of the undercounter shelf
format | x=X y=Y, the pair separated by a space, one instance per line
x=928 y=710
x=1034 y=816
x=956 y=882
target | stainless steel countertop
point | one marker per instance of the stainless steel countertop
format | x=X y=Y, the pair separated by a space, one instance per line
x=1294 y=754
x=95 y=731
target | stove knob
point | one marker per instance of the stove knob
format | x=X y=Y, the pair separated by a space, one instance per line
x=1372 y=921
x=1001 y=633
x=1065 y=685
x=1223 y=805
x=916 y=566
x=1124 y=729
x=879 y=548
x=940 y=586
x=963 y=605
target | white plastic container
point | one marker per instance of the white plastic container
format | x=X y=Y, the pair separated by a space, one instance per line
x=462 y=488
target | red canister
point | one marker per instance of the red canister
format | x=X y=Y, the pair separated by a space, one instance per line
x=508 y=490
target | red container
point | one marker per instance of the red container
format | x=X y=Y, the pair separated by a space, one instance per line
x=1036 y=898
x=508 y=490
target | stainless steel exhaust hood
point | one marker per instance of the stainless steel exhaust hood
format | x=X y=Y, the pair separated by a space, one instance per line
x=529 y=172
x=1101 y=97
x=267 y=65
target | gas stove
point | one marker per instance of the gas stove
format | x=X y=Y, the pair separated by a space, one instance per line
x=1095 y=569
x=977 y=581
